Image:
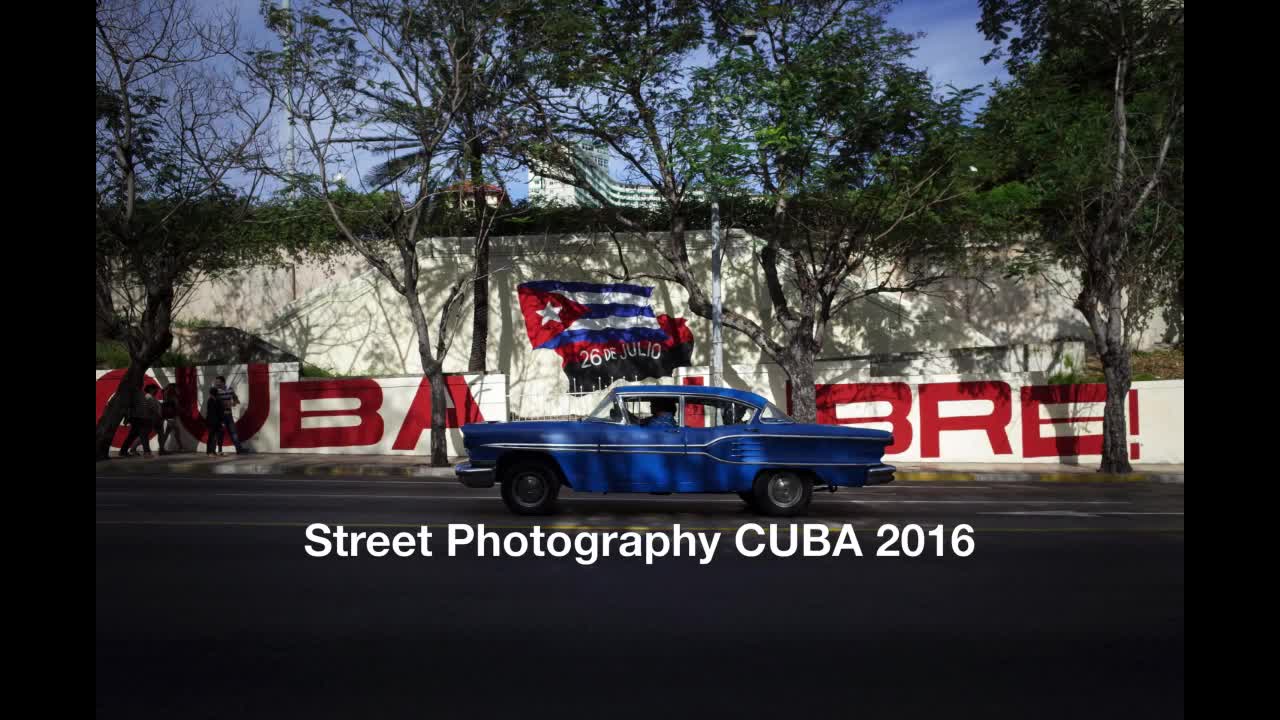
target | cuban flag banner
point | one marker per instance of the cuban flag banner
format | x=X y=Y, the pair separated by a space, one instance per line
x=603 y=332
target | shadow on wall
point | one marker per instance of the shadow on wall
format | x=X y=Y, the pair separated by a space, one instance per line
x=227 y=346
x=253 y=298
x=362 y=326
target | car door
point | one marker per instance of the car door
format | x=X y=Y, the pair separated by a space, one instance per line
x=644 y=457
x=713 y=445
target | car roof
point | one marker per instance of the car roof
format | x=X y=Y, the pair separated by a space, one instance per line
x=740 y=395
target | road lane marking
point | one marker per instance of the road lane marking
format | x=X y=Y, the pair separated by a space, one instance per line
x=643 y=497
x=451 y=483
x=589 y=528
x=1045 y=513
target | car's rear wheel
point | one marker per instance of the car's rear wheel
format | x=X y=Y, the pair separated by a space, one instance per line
x=530 y=487
x=748 y=497
x=782 y=493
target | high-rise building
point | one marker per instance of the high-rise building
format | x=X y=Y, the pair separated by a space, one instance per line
x=593 y=164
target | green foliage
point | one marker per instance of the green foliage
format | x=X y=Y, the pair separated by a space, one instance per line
x=1051 y=130
x=112 y=355
x=315 y=371
x=196 y=324
x=294 y=229
x=827 y=102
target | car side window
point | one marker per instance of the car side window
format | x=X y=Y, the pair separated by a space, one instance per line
x=649 y=411
x=711 y=412
x=607 y=411
x=771 y=414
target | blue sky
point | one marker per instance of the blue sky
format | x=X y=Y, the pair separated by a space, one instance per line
x=951 y=51
x=952 y=48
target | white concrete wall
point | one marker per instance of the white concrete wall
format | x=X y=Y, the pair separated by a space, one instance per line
x=360 y=325
x=253 y=298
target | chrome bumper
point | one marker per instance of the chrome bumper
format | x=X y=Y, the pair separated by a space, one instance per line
x=474 y=477
x=880 y=474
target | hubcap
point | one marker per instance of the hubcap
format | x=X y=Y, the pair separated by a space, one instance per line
x=785 y=489
x=530 y=488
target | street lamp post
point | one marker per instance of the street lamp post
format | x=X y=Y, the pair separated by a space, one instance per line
x=747 y=38
x=717 y=252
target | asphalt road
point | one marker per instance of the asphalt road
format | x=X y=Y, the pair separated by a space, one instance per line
x=1071 y=605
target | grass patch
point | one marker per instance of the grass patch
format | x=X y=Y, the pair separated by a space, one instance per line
x=316 y=372
x=1159 y=364
x=196 y=324
x=112 y=355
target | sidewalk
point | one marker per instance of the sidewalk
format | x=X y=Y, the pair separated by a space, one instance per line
x=413 y=466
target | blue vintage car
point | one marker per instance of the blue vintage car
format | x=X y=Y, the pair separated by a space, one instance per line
x=673 y=439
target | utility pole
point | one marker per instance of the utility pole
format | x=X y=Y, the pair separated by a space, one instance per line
x=717 y=253
x=748 y=39
x=291 y=146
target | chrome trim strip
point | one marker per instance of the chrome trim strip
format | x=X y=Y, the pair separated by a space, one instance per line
x=706 y=444
x=579 y=448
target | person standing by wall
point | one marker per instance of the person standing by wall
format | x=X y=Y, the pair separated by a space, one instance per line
x=229 y=400
x=213 y=419
x=170 y=411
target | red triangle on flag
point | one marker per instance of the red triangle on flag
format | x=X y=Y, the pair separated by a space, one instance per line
x=547 y=314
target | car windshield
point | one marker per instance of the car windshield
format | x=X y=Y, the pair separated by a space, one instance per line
x=771 y=414
x=606 y=411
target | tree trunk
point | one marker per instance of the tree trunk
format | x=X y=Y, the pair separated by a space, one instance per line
x=153 y=340
x=433 y=369
x=439 y=446
x=1113 y=349
x=1115 y=436
x=118 y=407
x=480 y=307
x=480 y=292
x=800 y=369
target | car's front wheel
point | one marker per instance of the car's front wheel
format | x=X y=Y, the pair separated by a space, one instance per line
x=749 y=497
x=530 y=488
x=782 y=493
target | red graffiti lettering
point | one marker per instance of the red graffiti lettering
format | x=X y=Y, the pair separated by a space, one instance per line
x=898 y=395
x=367 y=432
x=1060 y=399
x=418 y=418
x=932 y=425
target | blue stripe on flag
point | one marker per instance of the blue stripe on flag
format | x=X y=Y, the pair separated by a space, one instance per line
x=557 y=286
x=605 y=336
x=603 y=310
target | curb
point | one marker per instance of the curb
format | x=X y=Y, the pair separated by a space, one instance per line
x=260 y=468
x=241 y=467
x=1047 y=477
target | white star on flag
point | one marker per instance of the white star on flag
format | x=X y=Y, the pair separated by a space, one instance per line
x=550 y=312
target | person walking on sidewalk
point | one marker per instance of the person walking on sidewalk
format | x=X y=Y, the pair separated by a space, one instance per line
x=170 y=410
x=133 y=419
x=144 y=419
